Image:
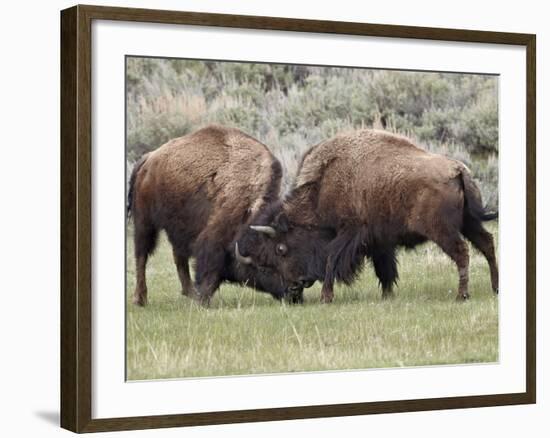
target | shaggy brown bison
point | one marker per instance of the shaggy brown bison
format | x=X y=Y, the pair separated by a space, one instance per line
x=365 y=194
x=202 y=189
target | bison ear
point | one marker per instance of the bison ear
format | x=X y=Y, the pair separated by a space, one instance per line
x=281 y=223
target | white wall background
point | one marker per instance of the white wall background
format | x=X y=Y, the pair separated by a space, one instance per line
x=29 y=217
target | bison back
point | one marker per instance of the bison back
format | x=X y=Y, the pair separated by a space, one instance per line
x=374 y=178
x=209 y=181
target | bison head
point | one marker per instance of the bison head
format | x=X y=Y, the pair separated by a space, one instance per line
x=294 y=251
x=261 y=278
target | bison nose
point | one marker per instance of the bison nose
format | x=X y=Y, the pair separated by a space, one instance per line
x=306 y=282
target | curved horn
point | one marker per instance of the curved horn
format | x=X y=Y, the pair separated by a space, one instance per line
x=270 y=231
x=240 y=258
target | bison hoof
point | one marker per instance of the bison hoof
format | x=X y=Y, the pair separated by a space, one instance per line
x=463 y=297
x=200 y=299
x=203 y=301
x=188 y=293
x=140 y=301
x=327 y=299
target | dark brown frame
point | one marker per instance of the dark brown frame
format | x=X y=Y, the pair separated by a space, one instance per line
x=76 y=243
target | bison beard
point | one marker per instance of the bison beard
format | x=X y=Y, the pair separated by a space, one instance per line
x=364 y=195
x=202 y=189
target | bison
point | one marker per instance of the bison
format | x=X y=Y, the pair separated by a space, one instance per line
x=203 y=189
x=364 y=195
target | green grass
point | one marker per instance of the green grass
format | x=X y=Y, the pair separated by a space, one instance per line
x=247 y=332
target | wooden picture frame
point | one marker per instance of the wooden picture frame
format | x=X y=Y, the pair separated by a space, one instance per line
x=76 y=218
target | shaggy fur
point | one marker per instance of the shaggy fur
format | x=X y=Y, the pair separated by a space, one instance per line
x=202 y=189
x=365 y=194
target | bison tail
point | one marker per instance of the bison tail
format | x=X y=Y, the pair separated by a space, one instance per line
x=473 y=203
x=490 y=216
x=132 y=183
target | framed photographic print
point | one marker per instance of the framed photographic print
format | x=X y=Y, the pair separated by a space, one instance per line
x=270 y=218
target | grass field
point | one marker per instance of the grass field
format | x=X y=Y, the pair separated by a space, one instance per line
x=247 y=332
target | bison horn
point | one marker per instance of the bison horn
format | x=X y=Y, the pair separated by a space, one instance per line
x=270 y=231
x=240 y=258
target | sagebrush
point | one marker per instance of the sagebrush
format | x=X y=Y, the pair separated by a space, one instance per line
x=292 y=107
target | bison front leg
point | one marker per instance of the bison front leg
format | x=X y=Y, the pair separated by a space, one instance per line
x=206 y=288
x=327 y=291
x=385 y=267
x=182 y=265
x=345 y=257
x=209 y=268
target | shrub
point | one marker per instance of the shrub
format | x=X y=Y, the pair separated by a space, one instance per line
x=291 y=108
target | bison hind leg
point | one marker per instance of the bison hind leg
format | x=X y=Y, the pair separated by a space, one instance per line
x=145 y=241
x=385 y=267
x=483 y=241
x=457 y=249
x=439 y=218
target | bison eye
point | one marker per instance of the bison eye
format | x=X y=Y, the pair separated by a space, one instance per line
x=281 y=249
